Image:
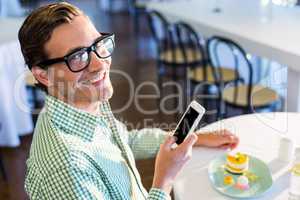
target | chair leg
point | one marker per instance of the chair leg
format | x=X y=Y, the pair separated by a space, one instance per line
x=136 y=18
x=159 y=83
x=2 y=170
x=185 y=91
x=221 y=106
x=222 y=110
x=280 y=105
x=225 y=112
x=277 y=106
x=177 y=102
x=111 y=6
x=248 y=110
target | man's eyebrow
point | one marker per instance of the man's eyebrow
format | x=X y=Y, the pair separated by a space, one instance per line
x=73 y=50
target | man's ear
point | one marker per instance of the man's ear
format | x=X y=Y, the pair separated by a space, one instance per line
x=41 y=75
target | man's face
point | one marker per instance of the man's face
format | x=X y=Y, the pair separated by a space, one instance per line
x=90 y=85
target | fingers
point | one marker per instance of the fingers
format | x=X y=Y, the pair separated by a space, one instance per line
x=225 y=146
x=235 y=144
x=226 y=139
x=230 y=141
x=189 y=141
x=229 y=137
x=224 y=132
x=184 y=151
x=170 y=140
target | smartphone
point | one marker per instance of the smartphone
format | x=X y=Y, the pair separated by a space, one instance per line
x=189 y=121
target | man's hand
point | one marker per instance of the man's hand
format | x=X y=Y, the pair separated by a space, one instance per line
x=169 y=161
x=218 y=139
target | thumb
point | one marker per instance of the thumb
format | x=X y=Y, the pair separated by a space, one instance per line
x=169 y=141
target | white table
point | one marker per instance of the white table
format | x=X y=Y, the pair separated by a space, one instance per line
x=15 y=115
x=259 y=136
x=241 y=20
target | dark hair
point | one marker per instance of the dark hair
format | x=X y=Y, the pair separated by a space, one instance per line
x=37 y=29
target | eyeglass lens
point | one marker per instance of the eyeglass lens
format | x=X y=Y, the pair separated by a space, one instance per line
x=81 y=58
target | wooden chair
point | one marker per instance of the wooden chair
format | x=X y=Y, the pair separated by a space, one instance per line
x=198 y=71
x=2 y=170
x=146 y=170
x=192 y=46
x=192 y=43
x=175 y=50
x=136 y=10
x=242 y=93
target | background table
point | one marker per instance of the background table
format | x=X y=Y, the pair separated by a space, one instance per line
x=15 y=115
x=259 y=136
x=242 y=20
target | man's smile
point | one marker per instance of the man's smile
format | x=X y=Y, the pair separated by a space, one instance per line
x=96 y=80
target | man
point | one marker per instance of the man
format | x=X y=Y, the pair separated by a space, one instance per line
x=79 y=150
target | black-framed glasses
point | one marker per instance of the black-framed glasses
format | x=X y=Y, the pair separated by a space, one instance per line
x=80 y=59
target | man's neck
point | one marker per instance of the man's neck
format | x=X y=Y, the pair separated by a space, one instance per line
x=92 y=108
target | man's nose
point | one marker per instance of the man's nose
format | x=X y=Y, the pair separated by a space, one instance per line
x=97 y=63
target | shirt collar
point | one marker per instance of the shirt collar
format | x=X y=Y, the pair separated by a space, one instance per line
x=73 y=120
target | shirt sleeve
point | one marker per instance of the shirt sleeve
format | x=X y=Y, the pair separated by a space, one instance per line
x=158 y=194
x=73 y=183
x=144 y=143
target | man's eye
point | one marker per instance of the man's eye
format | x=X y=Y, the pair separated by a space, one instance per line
x=84 y=56
x=77 y=57
x=80 y=56
x=99 y=44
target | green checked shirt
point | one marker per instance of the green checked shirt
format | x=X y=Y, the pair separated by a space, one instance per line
x=76 y=155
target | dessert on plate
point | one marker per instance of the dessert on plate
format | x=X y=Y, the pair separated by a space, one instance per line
x=237 y=163
x=228 y=180
x=242 y=183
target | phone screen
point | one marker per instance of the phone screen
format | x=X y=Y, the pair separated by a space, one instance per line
x=185 y=125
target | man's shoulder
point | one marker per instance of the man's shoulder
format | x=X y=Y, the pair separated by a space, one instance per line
x=48 y=149
x=53 y=148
